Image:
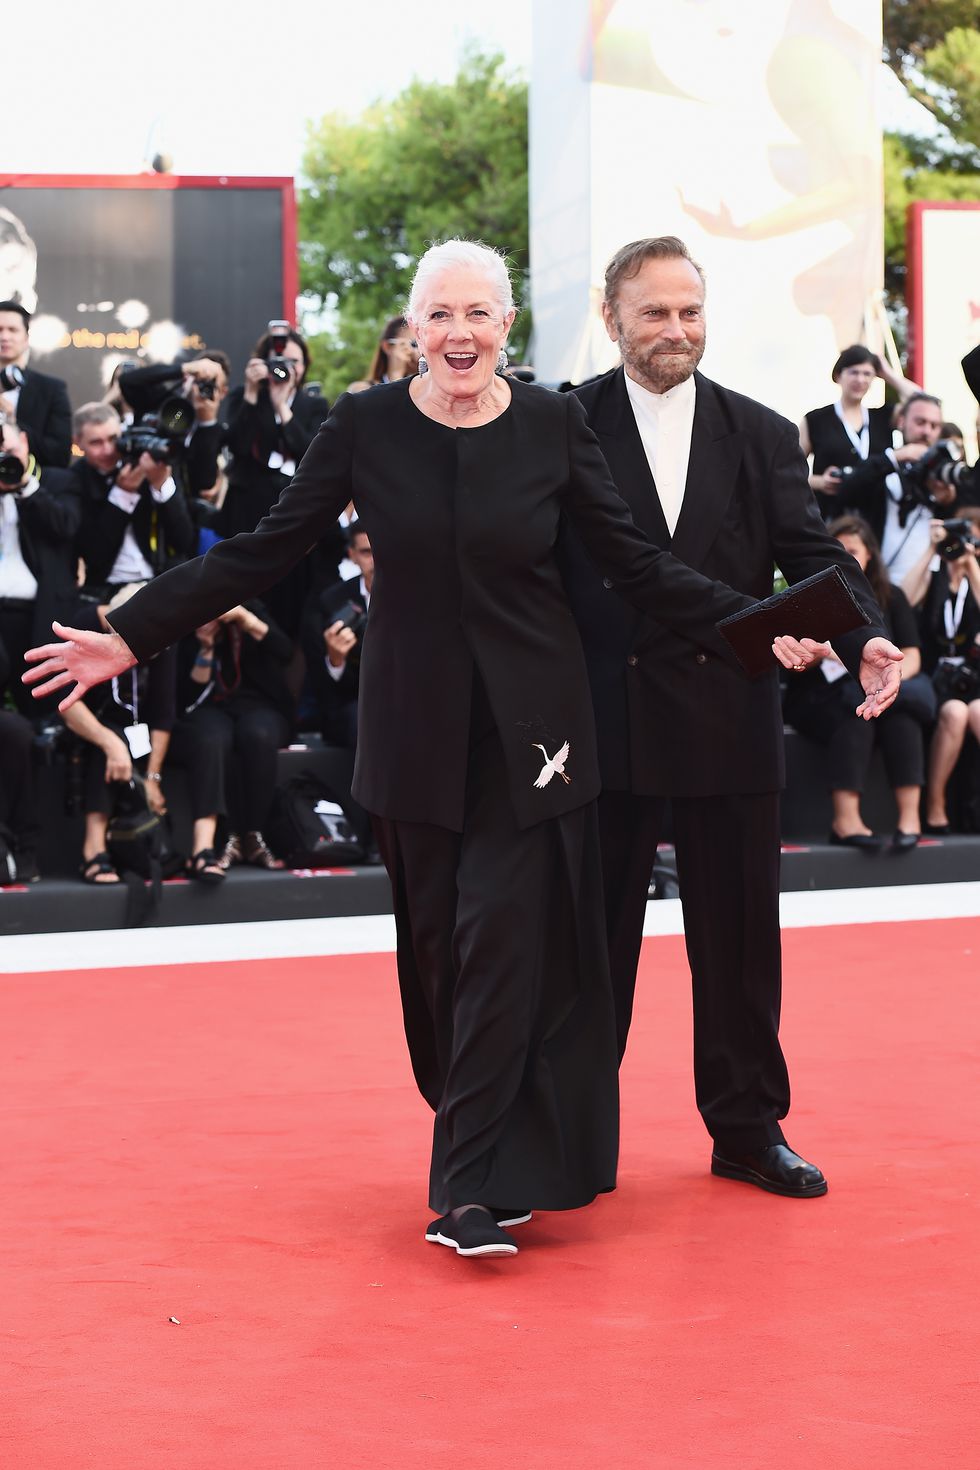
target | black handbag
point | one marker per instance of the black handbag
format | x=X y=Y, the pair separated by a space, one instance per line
x=138 y=842
x=309 y=827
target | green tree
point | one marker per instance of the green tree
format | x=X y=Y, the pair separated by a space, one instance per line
x=934 y=48
x=438 y=160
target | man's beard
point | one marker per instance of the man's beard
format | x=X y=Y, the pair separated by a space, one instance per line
x=654 y=367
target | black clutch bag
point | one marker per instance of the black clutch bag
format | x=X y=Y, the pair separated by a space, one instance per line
x=819 y=607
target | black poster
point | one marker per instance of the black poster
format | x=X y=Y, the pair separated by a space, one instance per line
x=144 y=272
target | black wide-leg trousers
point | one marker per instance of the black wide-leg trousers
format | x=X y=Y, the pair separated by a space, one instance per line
x=728 y=868
x=506 y=998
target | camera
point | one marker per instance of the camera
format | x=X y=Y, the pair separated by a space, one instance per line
x=205 y=387
x=11 y=472
x=959 y=536
x=957 y=680
x=353 y=616
x=940 y=462
x=11 y=377
x=280 y=367
x=161 y=435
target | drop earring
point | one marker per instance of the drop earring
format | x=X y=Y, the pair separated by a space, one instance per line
x=423 y=366
x=502 y=361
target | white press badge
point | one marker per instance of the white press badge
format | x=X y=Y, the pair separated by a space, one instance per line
x=137 y=734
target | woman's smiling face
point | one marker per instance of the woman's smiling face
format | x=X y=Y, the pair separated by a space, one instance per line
x=461 y=329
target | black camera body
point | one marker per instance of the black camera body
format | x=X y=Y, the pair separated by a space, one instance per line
x=352 y=615
x=161 y=435
x=957 y=681
x=941 y=462
x=280 y=368
x=959 y=537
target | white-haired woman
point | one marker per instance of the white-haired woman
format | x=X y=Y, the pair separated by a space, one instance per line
x=476 y=751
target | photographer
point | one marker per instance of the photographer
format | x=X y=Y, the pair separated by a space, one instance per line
x=38 y=402
x=899 y=491
x=333 y=631
x=203 y=381
x=39 y=518
x=135 y=521
x=125 y=726
x=237 y=713
x=950 y=621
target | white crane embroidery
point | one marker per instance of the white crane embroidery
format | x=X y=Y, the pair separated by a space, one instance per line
x=555 y=767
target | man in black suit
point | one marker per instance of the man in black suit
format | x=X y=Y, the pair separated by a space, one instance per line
x=135 y=521
x=674 y=721
x=333 y=627
x=38 y=402
x=39 y=519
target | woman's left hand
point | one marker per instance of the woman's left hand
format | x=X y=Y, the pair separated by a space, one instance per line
x=155 y=798
x=80 y=658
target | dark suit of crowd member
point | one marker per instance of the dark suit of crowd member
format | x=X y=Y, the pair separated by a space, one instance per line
x=675 y=722
x=125 y=535
x=39 y=403
x=39 y=519
x=147 y=389
x=471 y=661
x=265 y=452
x=332 y=651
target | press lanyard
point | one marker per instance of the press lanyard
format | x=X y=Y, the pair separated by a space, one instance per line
x=860 y=441
x=130 y=708
x=953 y=616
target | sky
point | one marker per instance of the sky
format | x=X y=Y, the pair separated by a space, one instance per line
x=224 y=86
x=227 y=86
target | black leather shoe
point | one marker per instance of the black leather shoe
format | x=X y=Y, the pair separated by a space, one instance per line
x=776 y=1169
x=867 y=842
x=905 y=841
x=475 y=1233
x=938 y=829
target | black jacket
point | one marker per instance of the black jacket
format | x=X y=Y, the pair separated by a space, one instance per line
x=44 y=413
x=252 y=434
x=672 y=718
x=164 y=533
x=463 y=525
x=48 y=523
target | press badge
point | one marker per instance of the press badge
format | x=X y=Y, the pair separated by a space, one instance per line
x=138 y=740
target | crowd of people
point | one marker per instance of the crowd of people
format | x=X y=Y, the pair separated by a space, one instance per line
x=96 y=503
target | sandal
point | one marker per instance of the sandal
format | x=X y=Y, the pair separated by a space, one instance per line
x=232 y=853
x=256 y=852
x=206 y=866
x=97 y=870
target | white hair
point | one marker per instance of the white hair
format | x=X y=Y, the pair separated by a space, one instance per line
x=469 y=254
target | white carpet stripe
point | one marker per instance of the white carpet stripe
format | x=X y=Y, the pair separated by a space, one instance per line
x=375 y=934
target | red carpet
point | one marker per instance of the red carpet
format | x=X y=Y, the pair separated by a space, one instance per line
x=239 y=1146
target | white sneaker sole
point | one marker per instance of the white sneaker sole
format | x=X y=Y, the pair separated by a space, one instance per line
x=516 y=1220
x=472 y=1250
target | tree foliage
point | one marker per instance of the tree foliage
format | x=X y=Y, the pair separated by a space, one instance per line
x=438 y=160
x=934 y=48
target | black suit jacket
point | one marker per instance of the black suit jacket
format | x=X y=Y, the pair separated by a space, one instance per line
x=44 y=413
x=463 y=526
x=47 y=524
x=164 y=533
x=674 y=719
x=252 y=434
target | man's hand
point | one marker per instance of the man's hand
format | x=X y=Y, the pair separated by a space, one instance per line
x=880 y=673
x=118 y=761
x=203 y=370
x=129 y=477
x=338 y=640
x=80 y=658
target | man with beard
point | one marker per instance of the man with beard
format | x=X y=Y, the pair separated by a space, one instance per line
x=720 y=481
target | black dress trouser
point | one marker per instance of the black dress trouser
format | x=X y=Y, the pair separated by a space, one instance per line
x=728 y=867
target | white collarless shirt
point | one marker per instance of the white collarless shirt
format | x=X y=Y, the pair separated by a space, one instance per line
x=666 y=422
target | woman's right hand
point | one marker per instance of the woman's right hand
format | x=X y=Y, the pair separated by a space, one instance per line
x=80 y=657
x=256 y=373
x=118 y=761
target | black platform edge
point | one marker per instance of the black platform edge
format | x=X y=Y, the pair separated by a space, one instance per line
x=59 y=906
x=62 y=906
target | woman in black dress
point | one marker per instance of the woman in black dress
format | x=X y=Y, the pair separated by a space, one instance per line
x=846 y=432
x=476 y=752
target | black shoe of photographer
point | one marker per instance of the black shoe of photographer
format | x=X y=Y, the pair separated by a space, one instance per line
x=25 y=861
x=776 y=1169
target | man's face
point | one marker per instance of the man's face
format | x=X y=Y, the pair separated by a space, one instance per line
x=361 y=555
x=98 y=444
x=657 y=319
x=13 y=336
x=921 y=423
